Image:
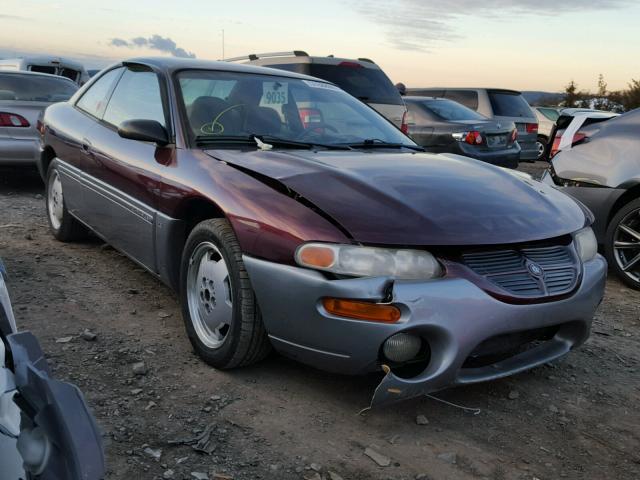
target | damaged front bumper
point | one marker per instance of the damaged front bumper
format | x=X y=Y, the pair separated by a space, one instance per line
x=453 y=315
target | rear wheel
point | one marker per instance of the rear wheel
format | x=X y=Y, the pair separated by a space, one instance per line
x=219 y=307
x=541 y=148
x=63 y=226
x=622 y=246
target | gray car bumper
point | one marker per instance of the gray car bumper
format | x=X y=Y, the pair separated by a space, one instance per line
x=452 y=314
x=19 y=151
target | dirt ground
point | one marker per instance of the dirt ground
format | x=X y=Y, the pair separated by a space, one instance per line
x=577 y=418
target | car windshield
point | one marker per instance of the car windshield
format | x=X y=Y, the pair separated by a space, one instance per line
x=450 y=110
x=509 y=104
x=35 y=88
x=221 y=106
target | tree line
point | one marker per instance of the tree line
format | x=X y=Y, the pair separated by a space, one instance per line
x=603 y=99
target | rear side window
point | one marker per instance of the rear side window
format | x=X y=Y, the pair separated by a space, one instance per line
x=43 y=69
x=450 y=110
x=35 y=88
x=136 y=97
x=468 y=98
x=507 y=104
x=69 y=73
x=551 y=113
x=370 y=85
x=94 y=100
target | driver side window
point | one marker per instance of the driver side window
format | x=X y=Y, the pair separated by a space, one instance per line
x=136 y=97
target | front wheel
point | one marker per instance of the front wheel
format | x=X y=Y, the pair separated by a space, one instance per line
x=62 y=225
x=219 y=307
x=622 y=244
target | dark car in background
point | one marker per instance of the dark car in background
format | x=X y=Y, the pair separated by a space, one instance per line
x=340 y=243
x=600 y=166
x=498 y=104
x=46 y=428
x=23 y=97
x=360 y=77
x=444 y=126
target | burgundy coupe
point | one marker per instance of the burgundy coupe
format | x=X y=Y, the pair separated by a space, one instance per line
x=288 y=214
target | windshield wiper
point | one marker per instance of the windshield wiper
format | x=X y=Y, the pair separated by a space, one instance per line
x=283 y=142
x=225 y=139
x=263 y=142
x=377 y=143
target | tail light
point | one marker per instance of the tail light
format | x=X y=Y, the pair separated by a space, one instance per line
x=472 y=138
x=578 y=137
x=404 y=128
x=531 y=127
x=514 y=135
x=309 y=116
x=12 y=120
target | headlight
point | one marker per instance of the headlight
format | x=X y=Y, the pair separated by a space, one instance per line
x=359 y=261
x=586 y=244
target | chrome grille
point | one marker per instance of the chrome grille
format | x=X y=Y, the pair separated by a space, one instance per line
x=513 y=270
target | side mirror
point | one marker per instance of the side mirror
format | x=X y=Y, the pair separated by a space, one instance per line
x=144 y=131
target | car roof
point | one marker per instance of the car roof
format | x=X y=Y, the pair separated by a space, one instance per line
x=36 y=74
x=170 y=65
x=475 y=89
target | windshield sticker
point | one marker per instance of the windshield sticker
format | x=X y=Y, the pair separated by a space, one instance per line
x=275 y=93
x=326 y=86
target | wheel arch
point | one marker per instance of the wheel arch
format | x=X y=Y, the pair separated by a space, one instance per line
x=172 y=233
x=629 y=195
x=46 y=157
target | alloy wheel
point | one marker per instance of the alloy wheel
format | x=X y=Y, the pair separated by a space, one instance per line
x=209 y=295
x=626 y=245
x=55 y=201
x=540 y=149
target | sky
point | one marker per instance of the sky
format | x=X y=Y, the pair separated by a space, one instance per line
x=519 y=44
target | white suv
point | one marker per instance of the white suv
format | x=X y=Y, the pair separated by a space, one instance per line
x=361 y=77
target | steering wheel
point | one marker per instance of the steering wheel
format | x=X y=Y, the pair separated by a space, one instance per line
x=311 y=129
x=216 y=127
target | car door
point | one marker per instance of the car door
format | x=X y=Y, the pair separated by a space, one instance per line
x=420 y=125
x=122 y=202
x=70 y=142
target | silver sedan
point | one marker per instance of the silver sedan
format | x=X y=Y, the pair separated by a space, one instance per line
x=23 y=97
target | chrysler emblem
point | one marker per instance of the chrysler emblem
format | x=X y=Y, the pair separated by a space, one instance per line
x=535 y=269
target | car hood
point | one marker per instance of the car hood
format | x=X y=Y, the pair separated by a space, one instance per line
x=393 y=198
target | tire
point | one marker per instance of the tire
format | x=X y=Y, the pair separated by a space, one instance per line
x=62 y=225
x=219 y=307
x=618 y=237
x=541 y=147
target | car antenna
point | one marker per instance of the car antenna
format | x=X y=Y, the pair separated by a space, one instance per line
x=261 y=144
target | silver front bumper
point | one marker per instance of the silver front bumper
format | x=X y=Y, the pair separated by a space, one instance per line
x=453 y=315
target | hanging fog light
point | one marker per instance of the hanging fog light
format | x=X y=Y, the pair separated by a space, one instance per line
x=401 y=347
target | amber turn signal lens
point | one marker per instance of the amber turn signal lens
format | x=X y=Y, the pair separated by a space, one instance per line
x=358 y=310
x=317 y=256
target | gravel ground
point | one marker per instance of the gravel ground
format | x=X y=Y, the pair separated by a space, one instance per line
x=577 y=418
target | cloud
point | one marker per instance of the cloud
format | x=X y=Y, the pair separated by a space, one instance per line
x=155 y=42
x=419 y=24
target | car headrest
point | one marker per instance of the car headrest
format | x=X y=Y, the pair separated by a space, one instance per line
x=204 y=110
x=264 y=121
